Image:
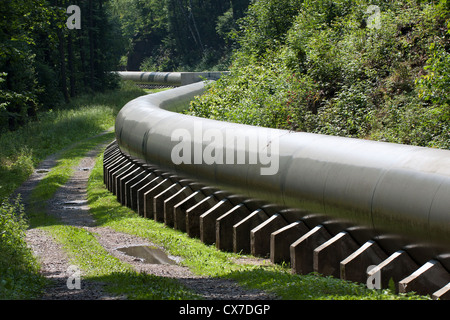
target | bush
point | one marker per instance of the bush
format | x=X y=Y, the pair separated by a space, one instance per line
x=18 y=267
x=327 y=69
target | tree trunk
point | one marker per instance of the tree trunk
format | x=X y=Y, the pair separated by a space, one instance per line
x=62 y=64
x=91 y=45
x=70 y=61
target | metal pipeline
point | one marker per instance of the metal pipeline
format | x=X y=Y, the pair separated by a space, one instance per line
x=169 y=78
x=384 y=186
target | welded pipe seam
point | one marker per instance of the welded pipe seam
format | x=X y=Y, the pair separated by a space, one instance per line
x=385 y=186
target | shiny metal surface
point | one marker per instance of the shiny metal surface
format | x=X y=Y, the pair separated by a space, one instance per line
x=169 y=78
x=387 y=187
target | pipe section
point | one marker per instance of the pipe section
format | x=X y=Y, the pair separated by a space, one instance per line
x=384 y=186
x=169 y=78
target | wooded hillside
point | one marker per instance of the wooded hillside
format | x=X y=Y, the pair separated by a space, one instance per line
x=368 y=69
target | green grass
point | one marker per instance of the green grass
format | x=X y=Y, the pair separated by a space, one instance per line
x=208 y=261
x=20 y=280
x=63 y=170
x=82 y=247
x=22 y=150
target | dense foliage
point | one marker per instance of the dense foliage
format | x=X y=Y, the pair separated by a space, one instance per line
x=19 y=270
x=368 y=69
x=169 y=35
x=43 y=62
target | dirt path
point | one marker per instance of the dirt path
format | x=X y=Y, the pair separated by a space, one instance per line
x=70 y=205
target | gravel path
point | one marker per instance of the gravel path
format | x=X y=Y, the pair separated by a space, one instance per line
x=70 y=205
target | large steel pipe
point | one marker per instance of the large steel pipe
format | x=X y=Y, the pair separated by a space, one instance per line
x=384 y=186
x=169 y=78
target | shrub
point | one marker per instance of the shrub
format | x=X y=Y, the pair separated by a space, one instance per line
x=352 y=78
x=20 y=278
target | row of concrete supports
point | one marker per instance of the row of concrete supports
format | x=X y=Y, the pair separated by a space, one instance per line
x=309 y=242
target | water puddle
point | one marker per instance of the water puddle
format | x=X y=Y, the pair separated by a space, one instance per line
x=42 y=171
x=74 y=204
x=147 y=254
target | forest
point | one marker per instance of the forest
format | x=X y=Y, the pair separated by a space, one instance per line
x=44 y=63
x=367 y=69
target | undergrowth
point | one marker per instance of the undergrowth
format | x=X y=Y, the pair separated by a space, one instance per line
x=322 y=67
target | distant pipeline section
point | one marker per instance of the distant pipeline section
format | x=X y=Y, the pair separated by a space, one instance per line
x=175 y=79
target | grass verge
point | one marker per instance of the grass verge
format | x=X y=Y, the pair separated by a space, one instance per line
x=20 y=152
x=82 y=247
x=208 y=261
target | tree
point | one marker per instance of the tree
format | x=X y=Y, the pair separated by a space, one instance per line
x=43 y=63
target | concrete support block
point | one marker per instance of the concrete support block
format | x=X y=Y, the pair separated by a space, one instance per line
x=327 y=257
x=117 y=171
x=312 y=220
x=112 y=146
x=444 y=259
x=224 y=226
x=281 y=240
x=302 y=250
x=208 y=220
x=149 y=195
x=158 y=200
x=134 y=195
x=112 y=167
x=107 y=163
x=179 y=210
x=397 y=266
x=362 y=234
x=193 y=215
x=430 y=277
x=241 y=230
x=120 y=181
x=161 y=189
x=128 y=188
x=141 y=194
x=260 y=235
x=170 y=203
x=443 y=293
x=354 y=267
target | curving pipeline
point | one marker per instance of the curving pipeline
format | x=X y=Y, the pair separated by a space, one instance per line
x=386 y=187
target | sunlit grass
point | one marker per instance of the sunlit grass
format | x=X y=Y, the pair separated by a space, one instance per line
x=82 y=246
x=206 y=260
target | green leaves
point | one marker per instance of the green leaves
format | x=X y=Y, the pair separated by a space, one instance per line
x=20 y=278
x=389 y=83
